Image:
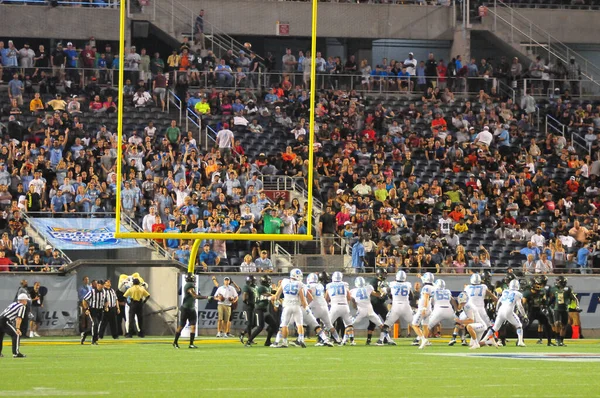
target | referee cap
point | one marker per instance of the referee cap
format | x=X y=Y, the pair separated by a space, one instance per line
x=23 y=296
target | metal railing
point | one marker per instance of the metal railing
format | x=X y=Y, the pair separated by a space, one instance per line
x=539 y=40
x=103 y=4
x=41 y=234
x=556 y=127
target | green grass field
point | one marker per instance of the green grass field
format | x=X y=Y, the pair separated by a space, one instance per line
x=224 y=368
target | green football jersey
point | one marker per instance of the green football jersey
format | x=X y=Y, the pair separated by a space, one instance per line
x=262 y=298
x=189 y=302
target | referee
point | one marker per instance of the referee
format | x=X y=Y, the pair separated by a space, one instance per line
x=111 y=311
x=10 y=323
x=187 y=311
x=94 y=305
x=138 y=295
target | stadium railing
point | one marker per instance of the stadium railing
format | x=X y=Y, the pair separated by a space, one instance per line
x=93 y=3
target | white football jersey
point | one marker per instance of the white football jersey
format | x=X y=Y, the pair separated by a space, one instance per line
x=291 y=292
x=362 y=296
x=476 y=294
x=400 y=292
x=510 y=299
x=470 y=312
x=338 y=292
x=441 y=298
x=426 y=289
x=318 y=294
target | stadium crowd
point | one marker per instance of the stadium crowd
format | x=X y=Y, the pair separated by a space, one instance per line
x=428 y=181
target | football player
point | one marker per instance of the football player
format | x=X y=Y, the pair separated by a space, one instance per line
x=249 y=295
x=262 y=314
x=561 y=297
x=443 y=304
x=380 y=285
x=361 y=295
x=187 y=311
x=534 y=298
x=424 y=310
x=505 y=308
x=478 y=292
x=470 y=317
x=337 y=294
x=401 y=292
x=294 y=304
x=318 y=304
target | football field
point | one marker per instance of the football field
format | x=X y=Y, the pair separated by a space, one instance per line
x=151 y=367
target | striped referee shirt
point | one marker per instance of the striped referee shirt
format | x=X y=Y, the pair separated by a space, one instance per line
x=13 y=311
x=111 y=297
x=95 y=299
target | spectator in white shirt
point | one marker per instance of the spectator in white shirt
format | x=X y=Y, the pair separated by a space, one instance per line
x=226 y=295
x=248 y=265
x=484 y=138
x=538 y=239
x=225 y=141
x=142 y=99
x=149 y=220
x=543 y=265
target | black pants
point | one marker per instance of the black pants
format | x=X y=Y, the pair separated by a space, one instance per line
x=95 y=324
x=110 y=318
x=262 y=316
x=536 y=313
x=25 y=322
x=135 y=308
x=6 y=327
x=248 y=315
x=381 y=310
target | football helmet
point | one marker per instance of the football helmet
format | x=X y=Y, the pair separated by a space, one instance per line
x=475 y=279
x=514 y=285
x=296 y=274
x=428 y=278
x=251 y=280
x=462 y=298
x=337 y=276
x=561 y=281
x=487 y=277
x=312 y=278
x=359 y=282
x=400 y=276
x=381 y=273
x=190 y=278
x=324 y=277
x=265 y=280
x=440 y=284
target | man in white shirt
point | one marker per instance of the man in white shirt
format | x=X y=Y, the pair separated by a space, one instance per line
x=363 y=189
x=226 y=295
x=446 y=223
x=225 y=142
x=298 y=131
x=149 y=220
x=484 y=138
x=538 y=239
x=411 y=64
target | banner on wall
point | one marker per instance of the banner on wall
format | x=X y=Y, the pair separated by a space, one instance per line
x=60 y=307
x=82 y=233
x=587 y=289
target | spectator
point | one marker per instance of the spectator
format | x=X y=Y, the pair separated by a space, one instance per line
x=226 y=296
x=209 y=259
x=263 y=263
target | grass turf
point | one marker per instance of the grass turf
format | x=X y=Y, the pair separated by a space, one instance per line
x=220 y=368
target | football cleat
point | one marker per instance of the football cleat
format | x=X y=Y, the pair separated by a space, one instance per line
x=379 y=343
x=328 y=343
x=561 y=344
x=192 y=346
x=551 y=344
x=539 y=341
x=248 y=344
x=319 y=344
x=464 y=343
x=94 y=343
x=19 y=355
x=301 y=344
x=521 y=344
x=82 y=340
x=1 y=355
x=415 y=342
x=452 y=342
x=229 y=335
x=352 y=343
x=495 y=343
x=175 y=345
x=475 y=346
x=242 y=338
x=424 y=342
x=267 y=344
x=219 y=334
x=391 y=342
x=368 y=342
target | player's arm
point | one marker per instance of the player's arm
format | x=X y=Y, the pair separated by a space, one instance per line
x=327 y=298
x=193 y=293
x=277 y=294
x=309 y=296
x=426 y=302
x=491 y=296
x=376 y=294
x=302 y=298
x=521 y=309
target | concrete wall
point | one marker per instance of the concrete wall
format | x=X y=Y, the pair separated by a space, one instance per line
x=335 y=19
x=59 y=22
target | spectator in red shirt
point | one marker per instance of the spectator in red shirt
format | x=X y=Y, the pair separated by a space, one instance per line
x=439 y=122
x=341 y=217
x=457 y=214
x=96 y=105
x=5 y=262
x=368 y=133
x=572 y=185
x=442 y=73
x=383 y=224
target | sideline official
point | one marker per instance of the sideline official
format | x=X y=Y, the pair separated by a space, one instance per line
x=94 y=304
x=11 y=320
x=111 y=311
x=138 y=295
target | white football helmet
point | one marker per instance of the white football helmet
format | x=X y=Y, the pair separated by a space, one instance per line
x=337 y=276
x=463 y=297
x=296 y=274
x=440 y=284
x=359 y=282
x=312 y=278
x=400 y=276
x=427 y=277
x=475 y=279
x=514 y=285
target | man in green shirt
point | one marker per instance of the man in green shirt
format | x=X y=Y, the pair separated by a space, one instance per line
x=187 y=311
x=173 y=133
x=271 y=223
x=262 y=313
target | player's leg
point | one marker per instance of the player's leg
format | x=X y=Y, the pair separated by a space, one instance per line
x=16 y=341
x=349 y=332
x=514 y=320
x=312 y=322
x=390 y=320
x=323 y=315
x=563 y=316
x=500 y=319
x=271 y=327
x=259 y=321
x=1 y=336
x=192 y=319
x=182 y=322
x=298 y=319
x=283 y=327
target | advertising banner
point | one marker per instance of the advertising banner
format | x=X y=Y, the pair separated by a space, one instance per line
x=586 y=287
x=60 y=309
x=82 y=233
